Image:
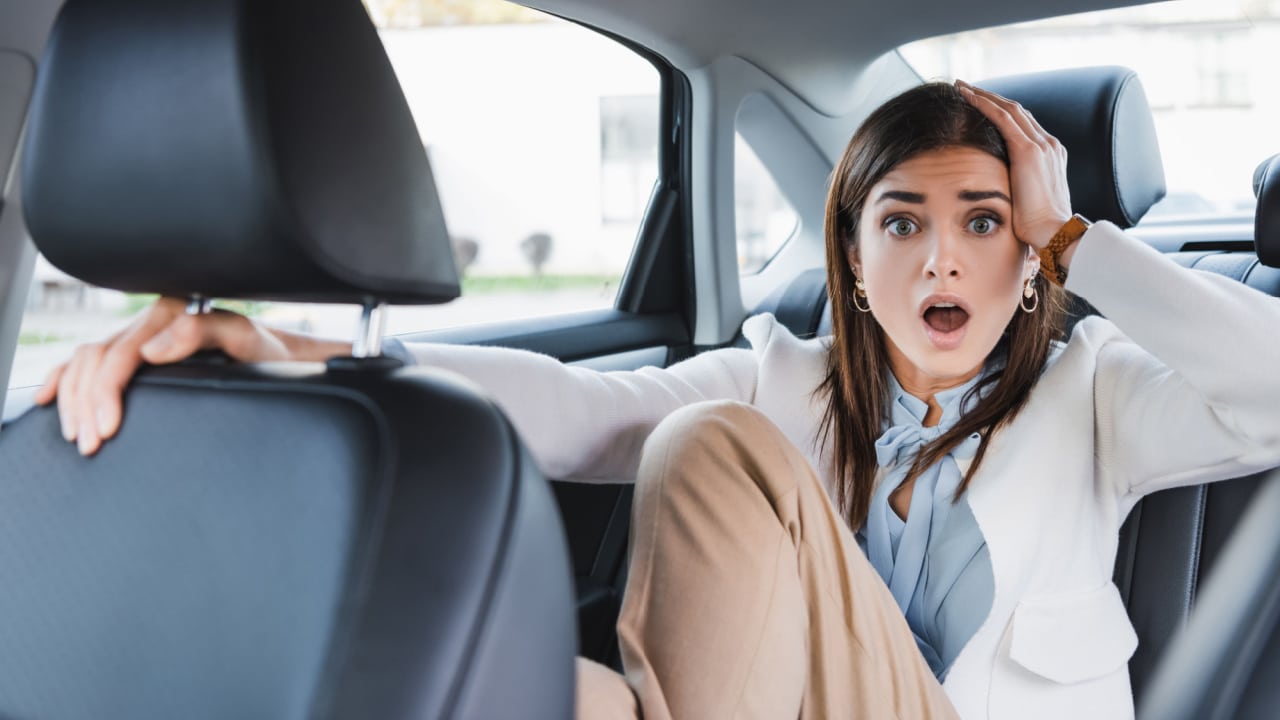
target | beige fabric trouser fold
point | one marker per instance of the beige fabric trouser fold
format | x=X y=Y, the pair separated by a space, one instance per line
x=748 y=596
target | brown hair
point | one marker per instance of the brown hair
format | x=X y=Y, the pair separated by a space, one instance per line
x=924 y=118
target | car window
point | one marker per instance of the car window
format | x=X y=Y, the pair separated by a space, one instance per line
x=763 y=218
x=1205 y=65
x=543 y=136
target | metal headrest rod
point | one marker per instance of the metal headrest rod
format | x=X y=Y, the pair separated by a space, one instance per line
x=368 y=342
x=199 y=305
x=369 y=332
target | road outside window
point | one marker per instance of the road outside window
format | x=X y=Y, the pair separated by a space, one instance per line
x=543 y=136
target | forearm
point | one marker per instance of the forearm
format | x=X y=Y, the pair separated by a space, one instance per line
x=1207 y=329
x=308 y=348
x=583 y=424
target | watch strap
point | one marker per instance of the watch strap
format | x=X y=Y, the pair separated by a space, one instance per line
x=1051 y=254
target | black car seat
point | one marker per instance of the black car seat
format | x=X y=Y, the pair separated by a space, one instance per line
x=350 y=540
x=1171 y=538
x=1225 y=661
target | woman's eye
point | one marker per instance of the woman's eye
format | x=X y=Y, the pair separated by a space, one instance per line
x=901 y=227
x=983 y=225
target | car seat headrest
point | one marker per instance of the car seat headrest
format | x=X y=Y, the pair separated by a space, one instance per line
x=225 y=148
x=1102 y=117
x=1266 y=218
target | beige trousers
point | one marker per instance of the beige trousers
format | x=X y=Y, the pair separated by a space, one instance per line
x=748 y=596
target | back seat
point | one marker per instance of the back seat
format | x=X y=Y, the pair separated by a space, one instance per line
x=1171 y=539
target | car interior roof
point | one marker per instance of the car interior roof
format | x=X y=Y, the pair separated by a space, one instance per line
x=813 y=53
x=817 y=50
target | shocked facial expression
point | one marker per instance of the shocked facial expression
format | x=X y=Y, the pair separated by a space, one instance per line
x=942 y=269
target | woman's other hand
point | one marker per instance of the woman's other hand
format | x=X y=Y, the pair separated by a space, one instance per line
x=90 y=386
x=1037 y=167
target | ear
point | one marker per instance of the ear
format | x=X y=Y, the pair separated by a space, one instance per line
x=851 y=255
x=1032 y=265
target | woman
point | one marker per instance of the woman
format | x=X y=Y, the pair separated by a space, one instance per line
x=982 y=467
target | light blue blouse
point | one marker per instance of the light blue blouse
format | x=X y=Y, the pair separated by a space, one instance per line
x=935 y=563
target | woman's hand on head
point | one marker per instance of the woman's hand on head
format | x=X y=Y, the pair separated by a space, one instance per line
x=89 y=387
x=1037 y=167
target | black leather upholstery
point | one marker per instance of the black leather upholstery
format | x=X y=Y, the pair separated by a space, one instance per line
x=1222 y=664
x=296 y=541
x=1266 y=220
x=293 y=543
x=1102 y=117
x=231 y=149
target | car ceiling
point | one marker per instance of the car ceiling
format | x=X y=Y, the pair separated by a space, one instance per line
x=814 y=47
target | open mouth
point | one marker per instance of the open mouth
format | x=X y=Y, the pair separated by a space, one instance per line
x=944 y=321
x=945 y=317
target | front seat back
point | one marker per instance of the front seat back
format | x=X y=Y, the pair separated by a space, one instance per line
x=350 y=539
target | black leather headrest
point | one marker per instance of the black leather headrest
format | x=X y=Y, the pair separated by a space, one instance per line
x=231 y=148
x=1102 y=117
x=1266 y=218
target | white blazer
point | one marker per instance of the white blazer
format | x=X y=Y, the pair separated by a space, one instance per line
x=1180 y=384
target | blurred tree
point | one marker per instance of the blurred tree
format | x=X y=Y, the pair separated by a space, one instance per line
x=537 y=250
x=421 y=13
x=465 y=251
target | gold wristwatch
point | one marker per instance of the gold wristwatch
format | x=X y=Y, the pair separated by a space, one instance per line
x=1070 y=232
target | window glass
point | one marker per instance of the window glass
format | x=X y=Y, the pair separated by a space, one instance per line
x=763 y=217
x=1205 y=65
x=543 y=136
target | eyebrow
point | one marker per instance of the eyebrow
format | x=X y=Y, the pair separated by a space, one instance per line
x=917 y=198
x=976 y=195
x=966 y=195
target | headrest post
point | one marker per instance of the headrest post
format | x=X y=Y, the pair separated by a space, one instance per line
x=369 y=333
x=199 y=305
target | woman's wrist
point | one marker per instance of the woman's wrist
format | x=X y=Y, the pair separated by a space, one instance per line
x=1064 y=259
x=1056 y=254
x=1045 y=232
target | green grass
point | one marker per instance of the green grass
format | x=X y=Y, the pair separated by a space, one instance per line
x=29 y=337
x=478 y=285
x=134 y=302
x=528 y=283
x=137 y=301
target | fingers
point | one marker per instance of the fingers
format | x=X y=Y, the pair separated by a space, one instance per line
x=66 y=399
x=86 y=431
x=234 y=334
x=89 y=387
x=49 y=390
x=105 y=393
x=1014 y=121
x=1037 y=166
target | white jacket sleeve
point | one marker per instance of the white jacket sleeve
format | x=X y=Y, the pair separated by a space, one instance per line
x=586 y=425
x=1188 y=390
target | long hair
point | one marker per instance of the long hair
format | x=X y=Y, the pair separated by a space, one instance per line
x=928 y=117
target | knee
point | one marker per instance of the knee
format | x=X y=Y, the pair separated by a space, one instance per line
x=702 y=427
x=718 y=463
x=717 y=438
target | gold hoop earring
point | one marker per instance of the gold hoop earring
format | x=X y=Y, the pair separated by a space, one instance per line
x=860 y=291
x=1029 y=292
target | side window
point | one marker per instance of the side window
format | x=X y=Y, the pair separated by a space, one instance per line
x=1202 y=65
x=762 y=216
x=543 y=136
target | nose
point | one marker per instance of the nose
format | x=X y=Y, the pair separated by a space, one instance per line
x=944 y=259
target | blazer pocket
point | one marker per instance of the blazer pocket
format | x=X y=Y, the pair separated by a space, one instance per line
x=1073 y=637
